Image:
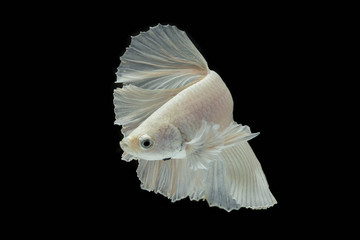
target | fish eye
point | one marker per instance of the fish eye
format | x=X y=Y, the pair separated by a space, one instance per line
x=145 y=142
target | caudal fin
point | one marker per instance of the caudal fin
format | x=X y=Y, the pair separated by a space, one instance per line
x=163 y=57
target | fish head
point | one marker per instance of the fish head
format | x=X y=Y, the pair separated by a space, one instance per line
x=154 y=142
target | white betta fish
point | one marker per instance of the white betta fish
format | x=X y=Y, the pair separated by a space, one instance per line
x=177 y=121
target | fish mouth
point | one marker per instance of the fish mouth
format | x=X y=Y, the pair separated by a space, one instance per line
x=124 y=145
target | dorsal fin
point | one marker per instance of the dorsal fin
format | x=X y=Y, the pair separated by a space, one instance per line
x=163 y=57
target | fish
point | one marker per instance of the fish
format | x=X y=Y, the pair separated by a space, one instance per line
x=177 y=121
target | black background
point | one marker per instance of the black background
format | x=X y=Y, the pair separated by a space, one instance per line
x=268 y=57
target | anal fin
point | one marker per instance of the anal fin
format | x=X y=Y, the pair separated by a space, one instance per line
x=172 y=179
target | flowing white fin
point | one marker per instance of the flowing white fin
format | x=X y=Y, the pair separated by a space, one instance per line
x=234 y=176
x=236 y=133
x=220 y=168
x=127 y=157
x=205 y=146
x=246 y=180
x=217 y=190
x=163 y=57
x=133 y=104
x=208 y=142
x=234 y=180
x=171 y=178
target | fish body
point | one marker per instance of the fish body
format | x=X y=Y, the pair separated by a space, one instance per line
x=177 y=119
x=208 y=99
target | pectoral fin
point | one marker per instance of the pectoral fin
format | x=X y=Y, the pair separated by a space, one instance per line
x=208 y=142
